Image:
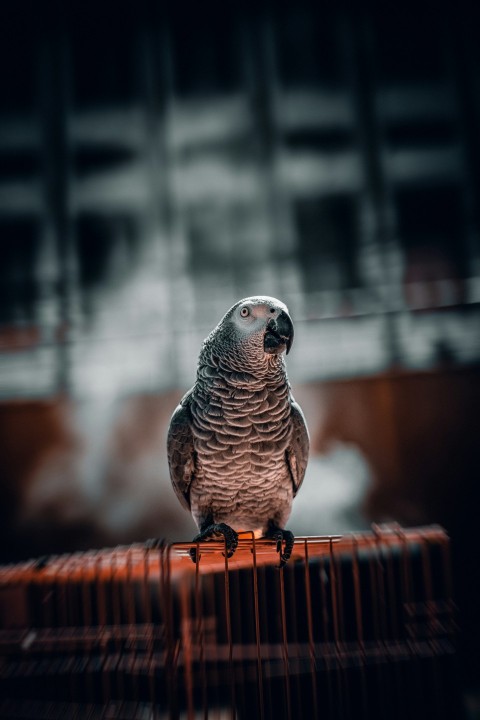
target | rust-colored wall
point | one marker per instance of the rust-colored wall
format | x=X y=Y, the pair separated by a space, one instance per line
x=418 y=432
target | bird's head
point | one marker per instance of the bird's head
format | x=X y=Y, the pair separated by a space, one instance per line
x=262 y=323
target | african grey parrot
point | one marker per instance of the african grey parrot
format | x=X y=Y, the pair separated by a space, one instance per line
x=237 y=442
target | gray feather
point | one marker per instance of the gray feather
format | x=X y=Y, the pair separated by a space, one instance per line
x=297 y=453
x=181 y=453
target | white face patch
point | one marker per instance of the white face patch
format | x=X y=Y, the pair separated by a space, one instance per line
x=252 y=314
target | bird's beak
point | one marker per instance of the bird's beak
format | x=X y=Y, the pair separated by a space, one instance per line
x=279 y=334
x=285 y=329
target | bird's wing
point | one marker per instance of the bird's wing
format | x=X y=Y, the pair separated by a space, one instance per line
x=180 y=452
x=297 y=451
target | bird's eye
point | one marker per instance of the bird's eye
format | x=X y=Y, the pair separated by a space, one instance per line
x=244 y=312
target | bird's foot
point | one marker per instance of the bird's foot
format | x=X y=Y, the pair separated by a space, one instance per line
x=213 y=531
x=284 y=540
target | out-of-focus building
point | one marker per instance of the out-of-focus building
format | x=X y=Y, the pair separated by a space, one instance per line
x=157 y=166
x=159 y=163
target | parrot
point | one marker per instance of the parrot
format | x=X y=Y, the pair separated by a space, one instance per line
x=238 y=443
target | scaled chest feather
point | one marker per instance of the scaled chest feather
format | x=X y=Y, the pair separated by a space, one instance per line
x=235 y=424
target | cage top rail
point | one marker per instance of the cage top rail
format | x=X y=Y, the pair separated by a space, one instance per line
x=155 y=557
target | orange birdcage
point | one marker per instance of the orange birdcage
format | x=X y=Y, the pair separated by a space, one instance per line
x=354 y=626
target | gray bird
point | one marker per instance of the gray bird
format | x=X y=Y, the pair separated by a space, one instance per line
x=238 y=442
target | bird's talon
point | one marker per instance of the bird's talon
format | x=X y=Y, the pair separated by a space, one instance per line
x=215 y=531
x=284 y=544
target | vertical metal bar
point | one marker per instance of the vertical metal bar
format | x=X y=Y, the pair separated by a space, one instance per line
x=411 y=630
x=87 y=627
x=60 y=603
x=357 y=590
x=261 y=701
x=374 y=596
x=430 y=607
x=116 y=585
x=200 y=633
x=333 y=585
x=326 y=639
x=311 y=644
x=149 y=629
x=391 y=587
x=55 y=598
x=385 y=674
x=341 y=697
x=186 y=640
x=60 y=595
x=213 y=635
x=72 y=625
x=405 y=601
x=44 y=611
x=378 y=545
x=228 y=621
x=394 y=620
x=286 y=662
x=172 y=643
x=132 y=624
x=101 y=603
x=388 y=667
x=357 y=595
x=160 y=668
x=447 y=564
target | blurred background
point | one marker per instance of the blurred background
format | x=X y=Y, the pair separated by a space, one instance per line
x=158 y=163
